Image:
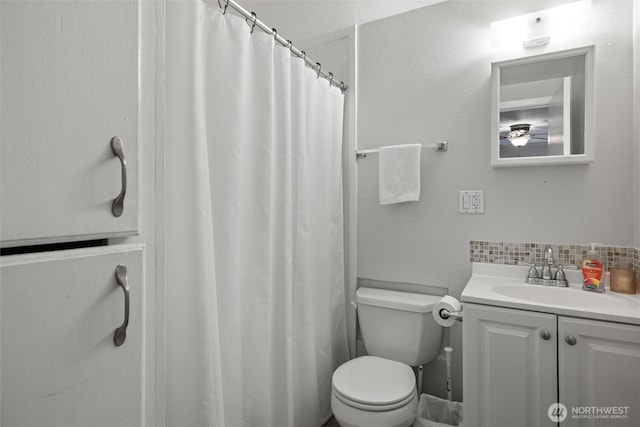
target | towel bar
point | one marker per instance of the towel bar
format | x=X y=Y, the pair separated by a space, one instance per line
x=438 y=146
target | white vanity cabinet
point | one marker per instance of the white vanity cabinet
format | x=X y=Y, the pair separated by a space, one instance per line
x=509 y=366
x=59 y=363
x=69 y=80
x=517 y=363
x=599 y=366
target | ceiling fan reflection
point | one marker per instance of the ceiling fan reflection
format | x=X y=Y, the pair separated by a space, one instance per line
x=519 y=135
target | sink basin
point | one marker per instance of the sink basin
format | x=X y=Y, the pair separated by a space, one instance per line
x=572 y=296
x=503 y=286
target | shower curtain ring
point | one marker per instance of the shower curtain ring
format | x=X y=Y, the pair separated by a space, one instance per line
x=318 y=70
x=304 y=55
x=330 y=79
x=254 y=16
x=224 y=9
x=290 y=45
x=275 y=34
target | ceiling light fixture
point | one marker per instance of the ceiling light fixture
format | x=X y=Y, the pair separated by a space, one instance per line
x=520 y=141
x=519 y=134
x=533 y=30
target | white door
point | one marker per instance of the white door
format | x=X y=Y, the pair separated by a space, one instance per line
x=509 y=367
x=59 y=364
x=69 y=84
x=599 y=372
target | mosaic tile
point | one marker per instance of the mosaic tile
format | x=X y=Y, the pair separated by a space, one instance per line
x=512 y=253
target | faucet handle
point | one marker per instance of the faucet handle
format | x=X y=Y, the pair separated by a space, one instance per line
x=533 y=272
x=560 y=273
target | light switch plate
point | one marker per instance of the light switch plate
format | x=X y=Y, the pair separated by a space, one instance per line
x=471 y=201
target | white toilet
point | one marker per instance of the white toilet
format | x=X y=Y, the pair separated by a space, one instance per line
x=398 y=331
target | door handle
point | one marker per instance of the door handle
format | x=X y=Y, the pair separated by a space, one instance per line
x=571 y=340
x=546 y=335
x=117 y=207
x=121 y=332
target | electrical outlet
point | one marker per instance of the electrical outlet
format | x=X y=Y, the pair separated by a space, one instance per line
x=475 y=202
x=472 y=201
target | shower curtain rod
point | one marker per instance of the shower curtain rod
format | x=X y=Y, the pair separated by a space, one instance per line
x=255 y=22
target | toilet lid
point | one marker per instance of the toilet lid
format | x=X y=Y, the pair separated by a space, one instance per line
x=372 y=380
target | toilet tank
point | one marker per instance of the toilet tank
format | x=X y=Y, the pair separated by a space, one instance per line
x=398 y=325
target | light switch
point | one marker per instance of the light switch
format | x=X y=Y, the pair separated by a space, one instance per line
x=466 y=202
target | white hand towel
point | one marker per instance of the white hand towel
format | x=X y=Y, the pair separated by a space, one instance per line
x=399 y=173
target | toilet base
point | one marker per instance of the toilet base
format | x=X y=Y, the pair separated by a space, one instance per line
x=348 y=416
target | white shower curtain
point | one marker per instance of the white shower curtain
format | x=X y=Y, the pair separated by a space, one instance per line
x=255 y=273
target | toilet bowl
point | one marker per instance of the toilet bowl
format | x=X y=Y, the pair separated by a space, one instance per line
x=398 y=331
x=374 y=392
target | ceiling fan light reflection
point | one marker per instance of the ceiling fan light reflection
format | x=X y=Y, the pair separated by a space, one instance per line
x=520 y=141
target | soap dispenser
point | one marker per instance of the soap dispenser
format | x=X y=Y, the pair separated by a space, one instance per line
x=593 y=270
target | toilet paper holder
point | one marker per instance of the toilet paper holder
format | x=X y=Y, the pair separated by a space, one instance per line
x=445 y=314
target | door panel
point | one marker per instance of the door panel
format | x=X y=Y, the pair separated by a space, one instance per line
x=601 y=370
x=59 y=365
x=510 y=370
x=69 y=83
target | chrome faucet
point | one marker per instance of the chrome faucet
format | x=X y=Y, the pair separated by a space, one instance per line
x=548 y=255
x=547 y=277
x=548 y=263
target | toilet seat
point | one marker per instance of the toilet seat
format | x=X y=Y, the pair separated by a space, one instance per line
x=374 y=384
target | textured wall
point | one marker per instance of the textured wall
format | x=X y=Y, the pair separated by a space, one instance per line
x=424 y=76
x=301 y=19
x=636 y=115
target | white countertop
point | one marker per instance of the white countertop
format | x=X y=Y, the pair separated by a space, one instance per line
x=504 y=286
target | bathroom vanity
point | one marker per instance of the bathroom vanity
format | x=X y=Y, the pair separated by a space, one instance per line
x=527 y=347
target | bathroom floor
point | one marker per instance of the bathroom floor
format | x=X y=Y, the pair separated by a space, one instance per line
x=331 y=423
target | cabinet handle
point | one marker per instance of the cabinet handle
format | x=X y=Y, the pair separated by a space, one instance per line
x=118 y=150
x=546 y=335
x=121 y=332
x=571 y=340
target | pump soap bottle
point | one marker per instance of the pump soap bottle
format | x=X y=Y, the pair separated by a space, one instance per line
x=593 y=271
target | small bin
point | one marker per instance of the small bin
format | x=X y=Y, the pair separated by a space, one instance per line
x=436 y=412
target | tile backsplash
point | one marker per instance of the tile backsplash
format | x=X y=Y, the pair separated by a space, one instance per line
x=567 y=255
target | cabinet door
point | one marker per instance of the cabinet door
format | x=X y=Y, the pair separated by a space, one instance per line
x=69 y=83
x=509 y=367
x=59 y=365
x=599 y=374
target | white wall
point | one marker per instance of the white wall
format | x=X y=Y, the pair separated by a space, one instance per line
x=183 y=392
x=151 y=139
x=424 y=76
x=300 y=19
x=636 y=117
